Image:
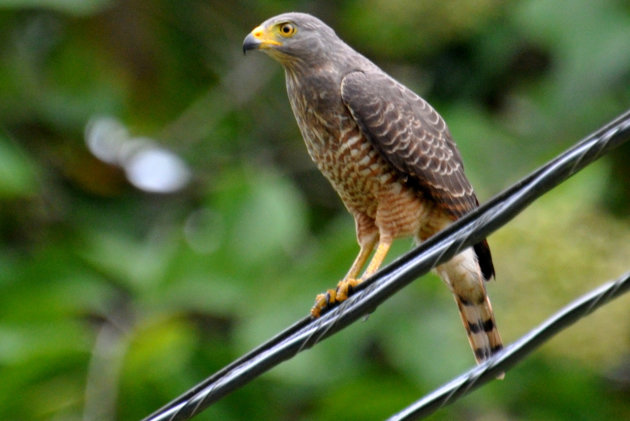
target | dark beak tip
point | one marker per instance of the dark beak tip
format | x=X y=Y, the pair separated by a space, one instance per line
x=250 y=43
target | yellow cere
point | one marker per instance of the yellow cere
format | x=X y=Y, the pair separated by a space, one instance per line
x=261 y=34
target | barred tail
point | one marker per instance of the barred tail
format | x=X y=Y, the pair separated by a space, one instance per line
x=464 y=277
x=482 y=331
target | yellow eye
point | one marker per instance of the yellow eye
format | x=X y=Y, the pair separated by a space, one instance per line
x=287 y=30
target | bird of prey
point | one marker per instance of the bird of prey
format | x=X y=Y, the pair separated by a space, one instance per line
x=387 y=153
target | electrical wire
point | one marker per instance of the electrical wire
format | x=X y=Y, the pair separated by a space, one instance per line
x=440 y=248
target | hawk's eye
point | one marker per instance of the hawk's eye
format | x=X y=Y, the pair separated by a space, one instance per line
x=287 y=30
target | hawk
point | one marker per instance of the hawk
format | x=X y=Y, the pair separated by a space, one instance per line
x=387 y=153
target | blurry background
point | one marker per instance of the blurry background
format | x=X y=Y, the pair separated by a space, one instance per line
x=159 y=215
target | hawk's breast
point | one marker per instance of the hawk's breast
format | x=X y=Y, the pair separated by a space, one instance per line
x=335 y=143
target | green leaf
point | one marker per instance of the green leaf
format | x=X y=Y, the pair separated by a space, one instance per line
x=17 y=172
x=74 y=7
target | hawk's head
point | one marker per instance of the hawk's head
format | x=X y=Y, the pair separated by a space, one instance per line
x=293 y=36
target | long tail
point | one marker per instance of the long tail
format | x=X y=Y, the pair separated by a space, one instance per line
x=463 y=276
x=480 y=326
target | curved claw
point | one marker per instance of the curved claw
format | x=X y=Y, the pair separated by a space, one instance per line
x=322 y=301
x=333 y=296
x=344 y=288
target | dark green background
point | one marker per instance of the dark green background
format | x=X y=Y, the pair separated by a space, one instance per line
x=114 y=300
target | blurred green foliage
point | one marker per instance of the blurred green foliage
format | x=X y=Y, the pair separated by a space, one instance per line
x=115 y=299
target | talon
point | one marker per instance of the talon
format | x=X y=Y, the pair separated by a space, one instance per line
x=342 y=290
x=332 y=296
x=345 y=287
x=322 y=301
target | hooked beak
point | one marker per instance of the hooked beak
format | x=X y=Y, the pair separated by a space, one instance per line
x=259 y=38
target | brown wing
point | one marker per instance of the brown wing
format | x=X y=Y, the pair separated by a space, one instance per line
x=414 y=139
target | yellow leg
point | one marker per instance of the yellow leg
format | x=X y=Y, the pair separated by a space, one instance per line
x=377 y=260
x=330 y=296
x=350 y=281
x=360 y=260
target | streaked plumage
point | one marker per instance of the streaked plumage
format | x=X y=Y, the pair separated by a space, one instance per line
x=388 y=154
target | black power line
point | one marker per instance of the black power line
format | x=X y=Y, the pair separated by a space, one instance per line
x=514 y=353
x=438 y=249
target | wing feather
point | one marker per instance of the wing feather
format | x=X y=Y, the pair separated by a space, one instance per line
x=416 y=142
x=411 y=136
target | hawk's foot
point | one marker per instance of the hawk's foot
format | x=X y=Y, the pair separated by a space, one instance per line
x=333 y=296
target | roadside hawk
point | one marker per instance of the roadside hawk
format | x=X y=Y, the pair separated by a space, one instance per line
x=388 y=154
